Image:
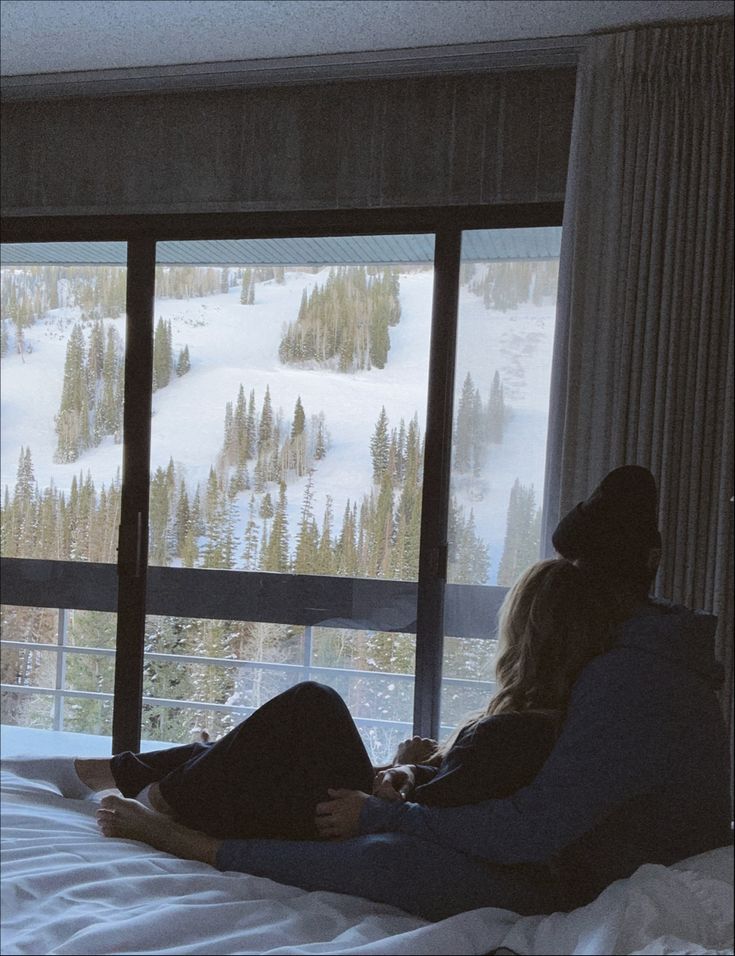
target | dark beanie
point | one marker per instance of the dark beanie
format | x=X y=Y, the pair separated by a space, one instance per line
x=616 y=527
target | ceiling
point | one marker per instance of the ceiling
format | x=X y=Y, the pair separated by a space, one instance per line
x=62 y=36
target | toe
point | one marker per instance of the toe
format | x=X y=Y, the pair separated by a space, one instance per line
x=110 y=802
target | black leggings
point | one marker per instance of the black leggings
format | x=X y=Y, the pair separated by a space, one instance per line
x=265 y=777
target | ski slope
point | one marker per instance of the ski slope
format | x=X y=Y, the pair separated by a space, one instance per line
x=230 y=344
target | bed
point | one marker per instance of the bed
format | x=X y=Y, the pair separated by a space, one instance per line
x=68 y=890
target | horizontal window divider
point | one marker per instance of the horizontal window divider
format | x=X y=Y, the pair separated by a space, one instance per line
x=54 y=691
x=372 y=604
x=81 y=585
x=64 y=648
x=254 y=224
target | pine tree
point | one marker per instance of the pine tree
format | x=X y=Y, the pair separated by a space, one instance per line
x=95 y=357
x=496 y=411
x=276 y=553
x=464 y=430
x=299 y=419
x=229 y=443
x=383 y=528
x=325 y=553
x=250 y=426
x=321 y=441
x=24 y=513
x=107 y=419
x=380 y=447
x=162 y=354
x=265 y=427
x=307 y=541
x=72 y=422
x=473 y=562
x=250 y=552
x=240 y=450
x=478 y=435
x=182 y=525
x=183 y=362
x=159 y=513
x=346 y=549
x=297 y=450
x=521 y=546
x=266 y=510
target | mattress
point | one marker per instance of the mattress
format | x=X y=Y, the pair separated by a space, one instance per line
x=67 y=889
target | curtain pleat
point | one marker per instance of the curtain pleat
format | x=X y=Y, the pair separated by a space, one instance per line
x=643 y=352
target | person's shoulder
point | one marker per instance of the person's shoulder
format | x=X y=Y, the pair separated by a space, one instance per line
x=516 y=723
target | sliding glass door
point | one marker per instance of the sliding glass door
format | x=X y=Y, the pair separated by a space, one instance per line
x=505 y=333
x=62 y=391
x=289 y=406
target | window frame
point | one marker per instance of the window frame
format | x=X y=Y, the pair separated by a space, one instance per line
x=131 y=588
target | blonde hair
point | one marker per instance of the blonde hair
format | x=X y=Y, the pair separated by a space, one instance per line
x=553 y=621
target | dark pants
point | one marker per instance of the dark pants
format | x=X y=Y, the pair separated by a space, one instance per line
x=265 y=777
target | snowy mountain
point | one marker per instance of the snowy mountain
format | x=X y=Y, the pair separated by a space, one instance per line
x=231 y=344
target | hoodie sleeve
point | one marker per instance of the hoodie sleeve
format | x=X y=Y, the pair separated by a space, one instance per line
x=621 y=737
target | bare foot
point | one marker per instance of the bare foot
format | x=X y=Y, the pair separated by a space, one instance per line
x=130 y=820
x=95 y=773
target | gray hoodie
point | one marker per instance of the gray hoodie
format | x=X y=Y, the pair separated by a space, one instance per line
x=639 y=773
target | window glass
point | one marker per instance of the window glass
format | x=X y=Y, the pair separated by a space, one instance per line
x=505 y=332
x=290 y=385
x=62 y=352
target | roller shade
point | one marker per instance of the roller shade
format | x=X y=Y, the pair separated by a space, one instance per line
x=497 y=137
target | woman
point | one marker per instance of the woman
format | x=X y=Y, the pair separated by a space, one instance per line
x=553 y=622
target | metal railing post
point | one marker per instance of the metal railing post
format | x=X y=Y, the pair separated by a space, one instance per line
x=60 y=669
x=308 y=651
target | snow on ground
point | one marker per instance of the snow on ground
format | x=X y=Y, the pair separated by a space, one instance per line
x=230 y=344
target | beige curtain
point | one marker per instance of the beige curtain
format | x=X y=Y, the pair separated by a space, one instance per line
x=644 y=348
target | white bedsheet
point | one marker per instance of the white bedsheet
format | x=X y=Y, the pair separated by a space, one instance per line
x=68 y=890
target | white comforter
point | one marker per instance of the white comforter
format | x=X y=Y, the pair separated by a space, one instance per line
x=66 y=889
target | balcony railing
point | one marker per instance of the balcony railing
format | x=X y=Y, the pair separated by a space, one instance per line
x=302 y=671
x=305 y=601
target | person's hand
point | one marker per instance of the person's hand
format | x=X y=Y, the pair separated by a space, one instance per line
x=339 y=817
x=415 y=750
x=395 y=783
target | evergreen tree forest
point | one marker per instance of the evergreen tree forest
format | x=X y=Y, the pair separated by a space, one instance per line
x=504 y=286
x=522 y=534
x=345 y=323
x=91 y=403
x=478 y=425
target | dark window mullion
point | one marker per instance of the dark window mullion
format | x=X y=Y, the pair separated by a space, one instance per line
x=435 y=496
x=133 y=539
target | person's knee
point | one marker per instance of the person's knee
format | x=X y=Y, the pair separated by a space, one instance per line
x=378 y=852
x=320 y=693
